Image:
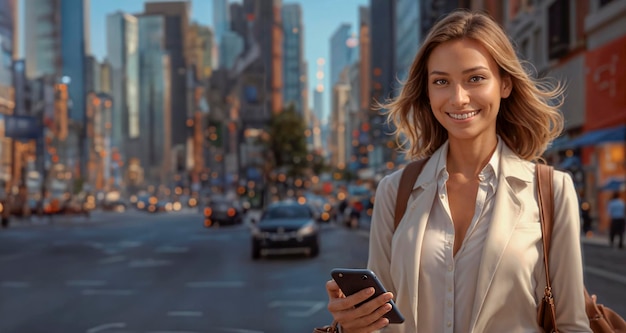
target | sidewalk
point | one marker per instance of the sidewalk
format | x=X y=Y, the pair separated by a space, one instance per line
x=595 y=238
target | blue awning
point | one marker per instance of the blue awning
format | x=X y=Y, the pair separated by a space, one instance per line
x=613 y=185
x=570 y=162
x=613 y=134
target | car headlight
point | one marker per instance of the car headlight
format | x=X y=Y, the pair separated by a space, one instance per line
x=256 y=232
x=307 y=229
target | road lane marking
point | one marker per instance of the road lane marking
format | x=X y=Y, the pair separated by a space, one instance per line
x=605 y=274
x=112 y=260
x=14 y=284
x=85 y=283
x=310 y=307
x=110 y=292
x=185 y=314
x=171 y=249
x=129 y=244
x=215 y=284
x=147 y=263
x=104 y=327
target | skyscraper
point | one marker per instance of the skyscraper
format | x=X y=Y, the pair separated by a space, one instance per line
x=340 y=52
x=221 y=18
x=122 y=44
x=7 y=42
x=177 y=45
x=155 y=106
x=268 y=32
x=56 y=43
x=294 y=78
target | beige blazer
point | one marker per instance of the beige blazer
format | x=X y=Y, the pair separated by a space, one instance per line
x=511 y=277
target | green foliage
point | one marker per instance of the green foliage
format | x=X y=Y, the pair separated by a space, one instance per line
x=287 y=141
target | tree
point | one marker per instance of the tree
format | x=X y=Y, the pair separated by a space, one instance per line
x=286 y=142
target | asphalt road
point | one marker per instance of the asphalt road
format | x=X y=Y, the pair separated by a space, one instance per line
x=165 y=273
x=149 y=273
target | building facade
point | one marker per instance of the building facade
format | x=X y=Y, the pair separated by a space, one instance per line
x=293 y=57
x=155 y=159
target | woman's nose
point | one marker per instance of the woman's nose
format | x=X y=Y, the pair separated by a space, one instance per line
x=460 y=96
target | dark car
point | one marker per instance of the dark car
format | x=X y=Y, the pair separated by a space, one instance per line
x=222 y=210
x=286 y=226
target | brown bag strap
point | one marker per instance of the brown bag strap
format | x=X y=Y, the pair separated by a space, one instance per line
x=409 y=175
x=546 y=209
x=545 y=198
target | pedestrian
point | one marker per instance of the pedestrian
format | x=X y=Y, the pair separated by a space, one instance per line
x=616 y=210
x=467 y=254
x=585 y=215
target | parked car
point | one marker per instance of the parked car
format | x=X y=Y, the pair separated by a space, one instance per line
x=220 y=210
x=286 y=225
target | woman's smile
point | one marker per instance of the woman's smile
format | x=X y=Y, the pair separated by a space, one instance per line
x=463 y=116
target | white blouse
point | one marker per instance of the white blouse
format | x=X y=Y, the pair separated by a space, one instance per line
x=447 y=282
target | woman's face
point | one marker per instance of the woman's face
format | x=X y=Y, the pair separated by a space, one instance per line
x=465 y=89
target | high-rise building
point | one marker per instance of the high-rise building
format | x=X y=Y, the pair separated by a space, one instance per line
x=204 y=48
x=340 y=52
x=238 y=21
x=56 y=43
x=231 y=46
x=265 y=15
x=383 y=76
x=8 y=23
x=294 y=78
x=8 y=20
x=177 y=45
x=408 y=36
x=154 y=98
x=221 y=19
x=122 y=55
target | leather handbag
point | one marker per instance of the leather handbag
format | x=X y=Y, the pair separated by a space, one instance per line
x=601 y=318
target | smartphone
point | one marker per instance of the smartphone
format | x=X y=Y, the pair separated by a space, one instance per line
x=352 y=280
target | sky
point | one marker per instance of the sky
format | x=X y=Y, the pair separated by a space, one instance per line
x=320 y=17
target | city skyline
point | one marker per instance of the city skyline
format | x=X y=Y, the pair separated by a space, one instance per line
x=319 y=24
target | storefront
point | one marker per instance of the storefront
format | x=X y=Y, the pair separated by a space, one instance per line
x=603 y=151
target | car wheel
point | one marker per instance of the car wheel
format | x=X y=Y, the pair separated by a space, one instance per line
x=5 y=222
x=314 y=250
x=256 y=252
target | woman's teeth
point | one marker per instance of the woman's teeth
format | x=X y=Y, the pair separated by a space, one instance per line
x=463 y=115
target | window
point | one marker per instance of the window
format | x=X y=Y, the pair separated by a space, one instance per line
x=558 y=29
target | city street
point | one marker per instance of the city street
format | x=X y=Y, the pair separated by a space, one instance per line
x=165 y=273
x=146 y=273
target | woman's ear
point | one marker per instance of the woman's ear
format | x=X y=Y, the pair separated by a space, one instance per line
x=507 y=86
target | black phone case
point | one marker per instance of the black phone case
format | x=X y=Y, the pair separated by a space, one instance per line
x=352 y=280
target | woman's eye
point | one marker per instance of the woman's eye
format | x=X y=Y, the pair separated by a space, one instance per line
x=440 y=82
x=476 y=78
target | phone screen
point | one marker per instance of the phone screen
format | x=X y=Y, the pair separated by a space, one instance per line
x=352 y=280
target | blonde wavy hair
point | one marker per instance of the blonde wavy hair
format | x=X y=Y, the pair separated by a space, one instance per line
x=529 y=119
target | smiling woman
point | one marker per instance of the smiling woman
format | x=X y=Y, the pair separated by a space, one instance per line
x=471 y=235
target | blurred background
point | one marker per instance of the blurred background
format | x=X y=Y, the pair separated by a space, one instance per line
x=113 y=110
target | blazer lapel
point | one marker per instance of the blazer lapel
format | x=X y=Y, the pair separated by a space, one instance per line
x=506 y=214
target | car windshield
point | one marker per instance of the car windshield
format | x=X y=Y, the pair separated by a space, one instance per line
x=288 y=212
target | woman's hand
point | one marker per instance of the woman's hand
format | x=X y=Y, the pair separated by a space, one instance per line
x=364 y=319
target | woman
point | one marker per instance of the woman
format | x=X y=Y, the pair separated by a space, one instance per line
x=467 y=255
